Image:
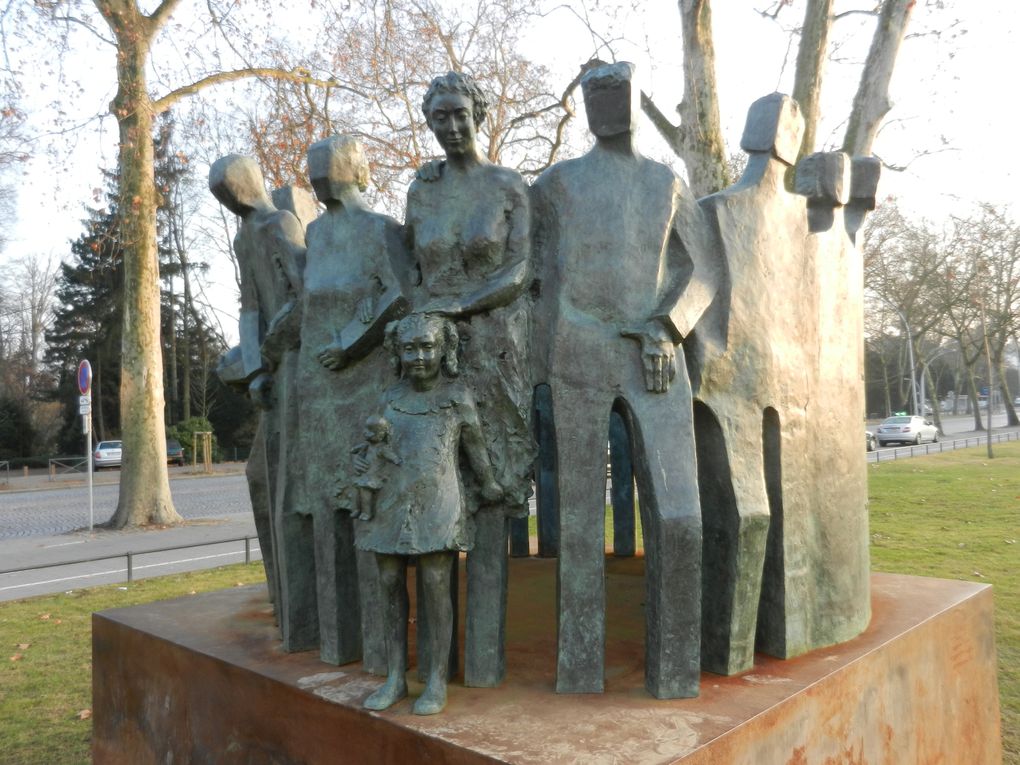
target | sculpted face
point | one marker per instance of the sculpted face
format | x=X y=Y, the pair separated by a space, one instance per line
x=421 y=351
x=452 y=119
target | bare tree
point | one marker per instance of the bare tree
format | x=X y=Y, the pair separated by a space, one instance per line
x=132 y=35
x=383 y=56
x=697 y=138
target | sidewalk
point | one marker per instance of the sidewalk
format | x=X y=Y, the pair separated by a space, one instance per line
x=39 y=478
x=202 y=544
x=213 y=541
x=24 y=552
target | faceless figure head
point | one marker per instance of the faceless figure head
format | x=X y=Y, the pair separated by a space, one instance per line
x=336 y=162
x=236 y=181
x=611 y=99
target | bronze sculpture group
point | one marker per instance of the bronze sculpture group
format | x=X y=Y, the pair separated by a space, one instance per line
x=396 y=366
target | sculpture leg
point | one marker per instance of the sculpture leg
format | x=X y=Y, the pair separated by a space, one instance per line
x=485 y=630
x=435 y=570
x=297 y=610
x=662 y=435
x=548 y=515
x=294 y=540
x=337 y=586
x=520 y=543
x=394 y=606
x=373 y=629
x=622 y=488
x=422 y=615
x=735 y=517
x=258 y=490
x=581 y=423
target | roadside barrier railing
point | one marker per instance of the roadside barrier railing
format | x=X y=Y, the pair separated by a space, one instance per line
x=130 y=557
x=61 y=465
x=917 y=450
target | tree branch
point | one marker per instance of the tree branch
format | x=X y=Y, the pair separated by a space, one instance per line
x=670 y=132
x=299 y=75
x=159 y=16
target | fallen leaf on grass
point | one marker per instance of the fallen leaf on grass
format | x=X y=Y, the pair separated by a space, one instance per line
x=84 y=714
x=44 y=617
x=978 y=573
x=16 y=657
x=57 y=621
x=24 y=646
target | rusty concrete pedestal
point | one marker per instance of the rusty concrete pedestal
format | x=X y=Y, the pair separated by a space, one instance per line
x=202 y=680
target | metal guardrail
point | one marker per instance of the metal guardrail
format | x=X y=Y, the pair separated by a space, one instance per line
x=63 y=465
x=130 y=556
x=903 y=452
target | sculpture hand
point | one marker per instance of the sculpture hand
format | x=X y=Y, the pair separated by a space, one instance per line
x=332 y=357
x=492 y=491
x=361 y=464
x=431 y=171
x=260 y=391
x=658 y=355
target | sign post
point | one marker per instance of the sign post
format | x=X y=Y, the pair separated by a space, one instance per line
x=85 y=410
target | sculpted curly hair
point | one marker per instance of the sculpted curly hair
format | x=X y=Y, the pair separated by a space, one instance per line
x=419 y=323
x=462 y=84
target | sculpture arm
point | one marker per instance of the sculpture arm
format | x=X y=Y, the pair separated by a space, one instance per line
x=249 y=330
x=695 y=272
x=473 y=444
x=284 y=332
x=288 y=249
x=500 y=289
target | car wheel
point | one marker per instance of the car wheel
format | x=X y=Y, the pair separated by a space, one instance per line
x=935 y=438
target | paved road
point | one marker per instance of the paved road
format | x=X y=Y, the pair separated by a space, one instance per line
x=46 y=511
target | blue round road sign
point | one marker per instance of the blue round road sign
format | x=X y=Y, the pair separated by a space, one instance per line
x=84 y=377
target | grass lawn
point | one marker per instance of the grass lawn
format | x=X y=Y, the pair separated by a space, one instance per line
x=955 y=516
x=46 y=676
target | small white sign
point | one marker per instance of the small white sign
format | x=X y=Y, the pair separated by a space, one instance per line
x=84 y=408
x=84 y=400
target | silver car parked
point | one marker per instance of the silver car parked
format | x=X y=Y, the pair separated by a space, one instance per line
x=906 y=429
x=106 y=455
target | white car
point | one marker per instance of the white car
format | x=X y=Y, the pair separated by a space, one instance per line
x=906 y=429
x=106 y=454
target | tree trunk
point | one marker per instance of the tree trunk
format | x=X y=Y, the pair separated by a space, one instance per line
x=698 y=139
x=186 y=325
x=171 y=377
x=871 y=102
x=975 y=401
x=99 y=421
x=811 y=57
x=999 y=361
x=144 y=483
